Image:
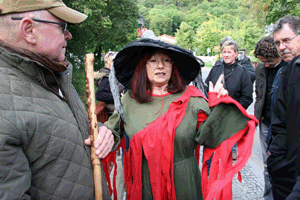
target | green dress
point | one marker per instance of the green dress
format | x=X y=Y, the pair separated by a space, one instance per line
x=186 y=170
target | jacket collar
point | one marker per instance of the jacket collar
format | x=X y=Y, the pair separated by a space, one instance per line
x=34 y=65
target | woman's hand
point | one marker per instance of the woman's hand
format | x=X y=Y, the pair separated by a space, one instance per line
x=218 y=87
x=104 y=143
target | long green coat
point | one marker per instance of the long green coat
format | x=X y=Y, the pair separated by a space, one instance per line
x=186 y=170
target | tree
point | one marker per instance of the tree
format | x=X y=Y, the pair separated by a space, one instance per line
x=185 y=36
x=195 y=17
x=280 y=8
x=269 y=11
x=164 y=19
x=207 y=36
x=110 y=25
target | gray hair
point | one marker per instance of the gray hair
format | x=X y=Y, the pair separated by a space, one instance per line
x=227 y=38
x=293 y=21
x=231 y=43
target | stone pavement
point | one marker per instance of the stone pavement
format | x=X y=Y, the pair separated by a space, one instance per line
x=251 y=186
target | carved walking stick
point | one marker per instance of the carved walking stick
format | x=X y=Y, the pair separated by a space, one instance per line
x=91 y=108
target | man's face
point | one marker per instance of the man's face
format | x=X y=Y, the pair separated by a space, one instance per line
x=269 y=62
x=287 y=43
x=51 y=39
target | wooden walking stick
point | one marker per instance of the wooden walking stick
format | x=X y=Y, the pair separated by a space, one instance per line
x=91 y=108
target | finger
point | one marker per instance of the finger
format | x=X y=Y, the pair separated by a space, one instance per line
x=87 y=141
x=220 y=93
x=107 y=138
x=107 y=149
x=106 y=146
x=211 y=86
x=101 y=132
x=225 y=93
x=220 y=79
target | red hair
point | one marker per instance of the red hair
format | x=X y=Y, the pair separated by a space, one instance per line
x=140 y=84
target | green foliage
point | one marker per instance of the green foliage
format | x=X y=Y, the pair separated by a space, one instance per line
x=269 y=11
x=110 y=26
x=208 y=64
x=195 y=17
x=185 y=36
x=207 y=36
x=164 y=19
x=280 y=8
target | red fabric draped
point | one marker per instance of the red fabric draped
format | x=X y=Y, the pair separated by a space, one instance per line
x=156 y=141
x=219 y=184
x=111 y=157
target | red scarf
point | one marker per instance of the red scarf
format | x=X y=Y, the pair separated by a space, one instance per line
x=156 y=141
x=159 y=152
x=219 y=184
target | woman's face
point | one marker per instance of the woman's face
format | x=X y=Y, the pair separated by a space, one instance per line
x=159 y=69
x=229 y=55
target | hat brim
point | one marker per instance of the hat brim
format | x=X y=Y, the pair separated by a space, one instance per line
x=68 y=14
x=127 y=59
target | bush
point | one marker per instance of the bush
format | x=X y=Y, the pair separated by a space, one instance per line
x=208 y=64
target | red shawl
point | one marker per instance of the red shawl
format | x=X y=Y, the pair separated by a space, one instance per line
x=159 y=152
x=219 y=184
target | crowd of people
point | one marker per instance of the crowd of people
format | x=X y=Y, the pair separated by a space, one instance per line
x=152 y=102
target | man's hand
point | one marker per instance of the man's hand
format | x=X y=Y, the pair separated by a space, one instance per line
x=104 y=143
x=218 y=87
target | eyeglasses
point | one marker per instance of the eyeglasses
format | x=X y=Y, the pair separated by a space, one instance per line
x=285 y=41
x=165 y=62
x=62 y=24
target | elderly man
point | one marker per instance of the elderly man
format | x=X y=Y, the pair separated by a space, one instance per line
x=283 y=163
x=43 y=122
x=265 y=72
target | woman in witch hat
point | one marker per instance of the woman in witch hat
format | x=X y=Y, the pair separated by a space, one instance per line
x=166 y=120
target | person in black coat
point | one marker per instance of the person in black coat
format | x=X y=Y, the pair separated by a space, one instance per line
x=284 y=160
x=236 y=78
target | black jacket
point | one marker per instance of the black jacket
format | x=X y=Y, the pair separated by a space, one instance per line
x=261 y=87
x=103 y=92
x=246 y=63
x=285 y=147
x=237 y=82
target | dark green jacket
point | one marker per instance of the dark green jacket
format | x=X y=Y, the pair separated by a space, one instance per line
x=42 y=150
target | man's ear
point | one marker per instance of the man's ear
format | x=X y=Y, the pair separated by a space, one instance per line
x=28 y=30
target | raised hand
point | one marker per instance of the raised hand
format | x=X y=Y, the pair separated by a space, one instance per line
x=219 y=88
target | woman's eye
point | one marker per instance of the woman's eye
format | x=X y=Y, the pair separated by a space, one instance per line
x=152 y=61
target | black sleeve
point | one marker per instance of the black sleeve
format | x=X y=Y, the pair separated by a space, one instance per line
x=103 y=92
x=212 y=76
x=278 y=120
x=295 y=194
x=247 y=90
x=246 y=62
x=208 y=78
